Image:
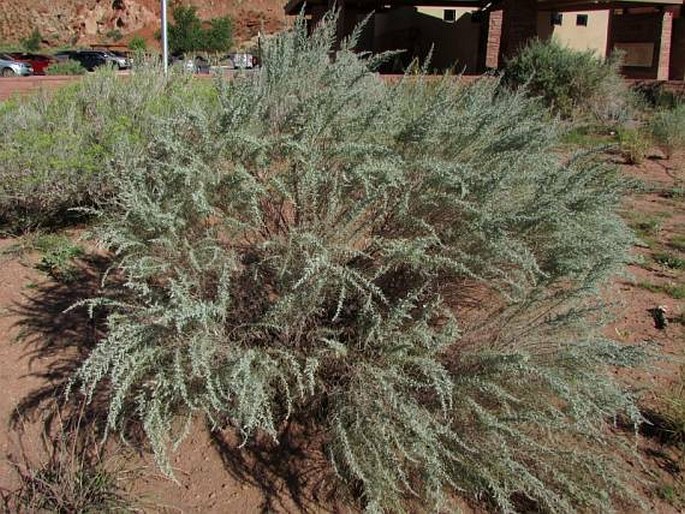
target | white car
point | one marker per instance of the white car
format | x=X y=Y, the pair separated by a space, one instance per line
x=10 y=67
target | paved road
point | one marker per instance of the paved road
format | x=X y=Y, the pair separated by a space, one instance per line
x=21 y=86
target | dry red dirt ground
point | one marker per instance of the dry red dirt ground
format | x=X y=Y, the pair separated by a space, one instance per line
x=40 y=344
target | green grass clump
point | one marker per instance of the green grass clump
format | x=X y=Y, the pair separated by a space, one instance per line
x=59 y=254
x=67 y=67
x=677 y=243
x=676 y=291
x=70 y=476
x=668 y=129
x=634 y=145
x=670 y=260
x=300 y=253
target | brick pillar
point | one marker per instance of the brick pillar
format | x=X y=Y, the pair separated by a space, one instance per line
x=494 y=37
x=663 y=65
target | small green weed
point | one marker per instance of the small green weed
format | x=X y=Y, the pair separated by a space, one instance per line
x=674 y=193
x=59 y=253
x=676 y=291
x=677 y=243
x=72 y=477
x=587 y=137
x=634 y=145
x=672 y=494
x=669 y=260
x=647 y=227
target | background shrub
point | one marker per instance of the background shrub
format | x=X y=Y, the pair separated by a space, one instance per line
x=569 y=81
x=668 y=129
x=137 y=44
x=56 y=153
x=634 y=144
x=33 y=42
x=311 y=250
x=67 y=67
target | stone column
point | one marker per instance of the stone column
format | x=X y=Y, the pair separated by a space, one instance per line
x=493 y=40
x=663 y=65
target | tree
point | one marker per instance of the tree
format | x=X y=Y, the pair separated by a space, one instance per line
x=185 y=34
x=219 y=36
x=32 y=43
x=137 y=44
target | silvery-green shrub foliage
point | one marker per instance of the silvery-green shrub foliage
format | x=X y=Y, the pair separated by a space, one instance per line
x=409 y=267
x=56 y=150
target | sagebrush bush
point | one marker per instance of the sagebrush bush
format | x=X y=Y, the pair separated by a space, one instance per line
x=407 y=267
x=668 y=129
x=570 y=82
x=56 y=152
x=67 y=67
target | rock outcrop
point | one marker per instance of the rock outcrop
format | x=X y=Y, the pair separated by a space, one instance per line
x=79 y=22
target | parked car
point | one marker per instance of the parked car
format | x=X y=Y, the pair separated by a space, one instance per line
x=92 y=59
x=243 y=60
x=10 y=67
x=39 y=63
x=119 y=59
x=197 y=64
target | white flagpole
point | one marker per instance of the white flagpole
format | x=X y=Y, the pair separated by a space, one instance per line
x=165 y=41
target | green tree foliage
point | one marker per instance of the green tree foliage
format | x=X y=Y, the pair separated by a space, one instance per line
x=187 y=33
x=137 y=44
x=409 y=268
x=33 y=42
x=219 y=36
x=569 y=81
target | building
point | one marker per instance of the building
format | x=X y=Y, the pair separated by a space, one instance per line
x=476 y=35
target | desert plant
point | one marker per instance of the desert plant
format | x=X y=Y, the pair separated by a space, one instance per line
x=308 y=251
x=55 y=152
x=634 y=145
x=668 y=129
x=67 y=67
x=33 y=42
x=137 y=44
x=569 y=81
x=114 y=35
x=59 y=253
x=71 y=476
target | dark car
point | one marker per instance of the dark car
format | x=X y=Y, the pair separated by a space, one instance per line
x=39 y=63
x=91 y=59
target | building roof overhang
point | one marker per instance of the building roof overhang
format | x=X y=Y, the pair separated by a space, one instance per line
x=294 y=7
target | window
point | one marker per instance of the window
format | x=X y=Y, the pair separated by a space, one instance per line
x=581 y=20
x=556 y=18
x=449 y=15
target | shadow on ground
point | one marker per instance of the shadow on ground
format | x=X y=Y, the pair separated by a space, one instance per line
x=56 y=340
x=293 y=473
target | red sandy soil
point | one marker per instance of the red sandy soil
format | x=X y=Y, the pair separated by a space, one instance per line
x=40 y=344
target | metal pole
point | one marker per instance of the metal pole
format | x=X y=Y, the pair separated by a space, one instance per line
x=165 y=41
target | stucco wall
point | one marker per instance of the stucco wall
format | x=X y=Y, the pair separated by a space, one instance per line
x=590 y=37
x=455 y=45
